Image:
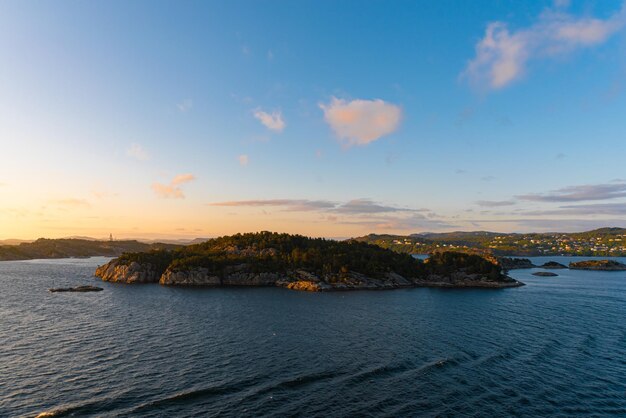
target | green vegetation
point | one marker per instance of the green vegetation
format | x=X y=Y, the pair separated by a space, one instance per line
x=273 y=252
x=598 y=265
x=600 y=242
x=446 y=263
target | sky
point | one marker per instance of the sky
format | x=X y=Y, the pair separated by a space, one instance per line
x=169 y=119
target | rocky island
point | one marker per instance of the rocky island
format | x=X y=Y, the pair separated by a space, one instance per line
x=553 y=265
x=604 y=265
x=300 y=263
x=509 y=263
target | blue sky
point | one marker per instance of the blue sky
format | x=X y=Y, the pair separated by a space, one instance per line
x=328 y=118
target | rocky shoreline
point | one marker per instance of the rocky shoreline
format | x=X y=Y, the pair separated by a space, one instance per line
x=297 y=279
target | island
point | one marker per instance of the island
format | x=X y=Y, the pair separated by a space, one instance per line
x=604 y=265
x=553 y=265
x=509 y=263
x=44 y=248
x=544 y=274
x=301 y=263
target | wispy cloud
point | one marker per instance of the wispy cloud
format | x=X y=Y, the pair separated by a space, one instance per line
x=243 y=160
x=71 y=203
x=357 y=212
x=173 y=190
x=185 y=105
x=579 y=193
x=502 y=55
x=415 y=222
x=355 y=206
x=495 y=203
x=296 y=205
x=137 y=152
x=360 y=122
x=367 y=206
x=273 y=121
x=591 y=209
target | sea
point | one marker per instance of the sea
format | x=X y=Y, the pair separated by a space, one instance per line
x=555 y=347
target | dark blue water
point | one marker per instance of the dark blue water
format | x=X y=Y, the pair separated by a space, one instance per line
x=555 y=347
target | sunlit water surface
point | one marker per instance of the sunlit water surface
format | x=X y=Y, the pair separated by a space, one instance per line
x=554 y=347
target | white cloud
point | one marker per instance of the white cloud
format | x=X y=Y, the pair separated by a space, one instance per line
x=360 y=122
x=502 y=54
x=137 y=152
x=173 y=190
x=243 y=160
x=185 y=106
x=273 y=121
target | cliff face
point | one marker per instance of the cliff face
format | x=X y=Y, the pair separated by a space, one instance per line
x=240 y=275
x=134 y=272
x=192 y=277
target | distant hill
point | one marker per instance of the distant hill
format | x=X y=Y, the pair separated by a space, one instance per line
x=599 y=242
x=71 y=247
x=13 y=241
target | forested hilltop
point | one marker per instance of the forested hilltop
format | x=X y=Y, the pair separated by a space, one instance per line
x=65 y=248
x=600 y=242
x=298 y=262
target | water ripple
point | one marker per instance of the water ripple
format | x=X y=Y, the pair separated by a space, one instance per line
x=554 y=347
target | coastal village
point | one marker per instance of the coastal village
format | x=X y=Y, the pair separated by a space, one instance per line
x=600 y=242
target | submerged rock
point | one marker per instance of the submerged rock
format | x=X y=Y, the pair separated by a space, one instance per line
x=76 y=289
